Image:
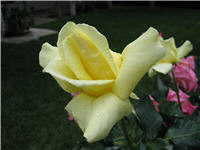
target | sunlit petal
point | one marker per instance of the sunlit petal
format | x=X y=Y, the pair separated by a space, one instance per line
x=184 y=49
x=163 y=67
x=171 y=52
x=46 y=54
x=96 y=117
x=89 y=49
x=58 y=69
x=137 y=58
x=73 y=59
x=100 y=42
x=117 y=59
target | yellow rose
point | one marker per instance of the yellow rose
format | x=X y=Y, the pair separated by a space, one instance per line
x=83 y=63
x=173 y=55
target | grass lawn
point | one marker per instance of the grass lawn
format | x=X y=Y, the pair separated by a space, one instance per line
x=33 y=115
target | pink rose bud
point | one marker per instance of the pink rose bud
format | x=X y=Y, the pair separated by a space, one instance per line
x=186 y=106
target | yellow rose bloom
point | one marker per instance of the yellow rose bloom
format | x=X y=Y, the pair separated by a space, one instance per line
x=173 y=55
x=83 y=63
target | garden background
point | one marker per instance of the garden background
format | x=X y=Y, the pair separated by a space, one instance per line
x=33 y=115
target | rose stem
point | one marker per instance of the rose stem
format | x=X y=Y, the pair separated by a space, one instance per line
x=176 y=89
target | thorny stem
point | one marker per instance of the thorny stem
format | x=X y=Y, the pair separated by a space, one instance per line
x=176 y=89
x=126 y=134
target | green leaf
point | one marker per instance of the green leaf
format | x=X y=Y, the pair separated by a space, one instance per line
x=100 y=146
x=94 y=146
x=161 y=87
x=115 y=136
x=161 y=91
x=139 y=135
x=141 y=146
x=159 y=144
x=151 y=120
x=185 y=134
x=120 y=141
x=169 y=108
x=80 y=144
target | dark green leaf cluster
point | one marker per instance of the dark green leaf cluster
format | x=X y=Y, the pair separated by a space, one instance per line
x=17 y=21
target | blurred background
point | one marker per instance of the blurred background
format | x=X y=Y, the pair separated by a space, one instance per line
x=33 y=115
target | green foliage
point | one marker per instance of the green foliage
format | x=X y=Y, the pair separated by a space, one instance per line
x=185 y=134
x=17 y=21
x=151 y=120
x=159 y=144
x=169 y=108
x=160 y=91
x=95 y=146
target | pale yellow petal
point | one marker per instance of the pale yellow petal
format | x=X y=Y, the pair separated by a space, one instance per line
x=64 y=32
x=134 y=96
x=46 y=54
x=91 y=48
x=117 y=59
x=68 y=87
x=163 y=68
x=96 y=117
x=139 y=56
x=184 y=49
x=92 y=58
x=73 y=59
x=58 y=68
x=98 y=90
x=67 y=53
x=100 y=42
x=80 y=107
x=171 y=52
x=151 y=72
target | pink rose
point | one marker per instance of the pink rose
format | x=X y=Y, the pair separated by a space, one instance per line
x=189 y=62
x=184 y=74
x=160 y=34
x=154 y=103
x=187 y=107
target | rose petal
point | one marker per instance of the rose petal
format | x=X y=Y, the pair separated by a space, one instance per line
x=87 y=48
x=117 y=59
x=101 y=43
x=94 y=114
x=73 y=59
x=47 y=54
x=171 y=53
x=163 y=67
x=62 y=72
x=138 y=57
x=184 y=49
x=187 y=107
